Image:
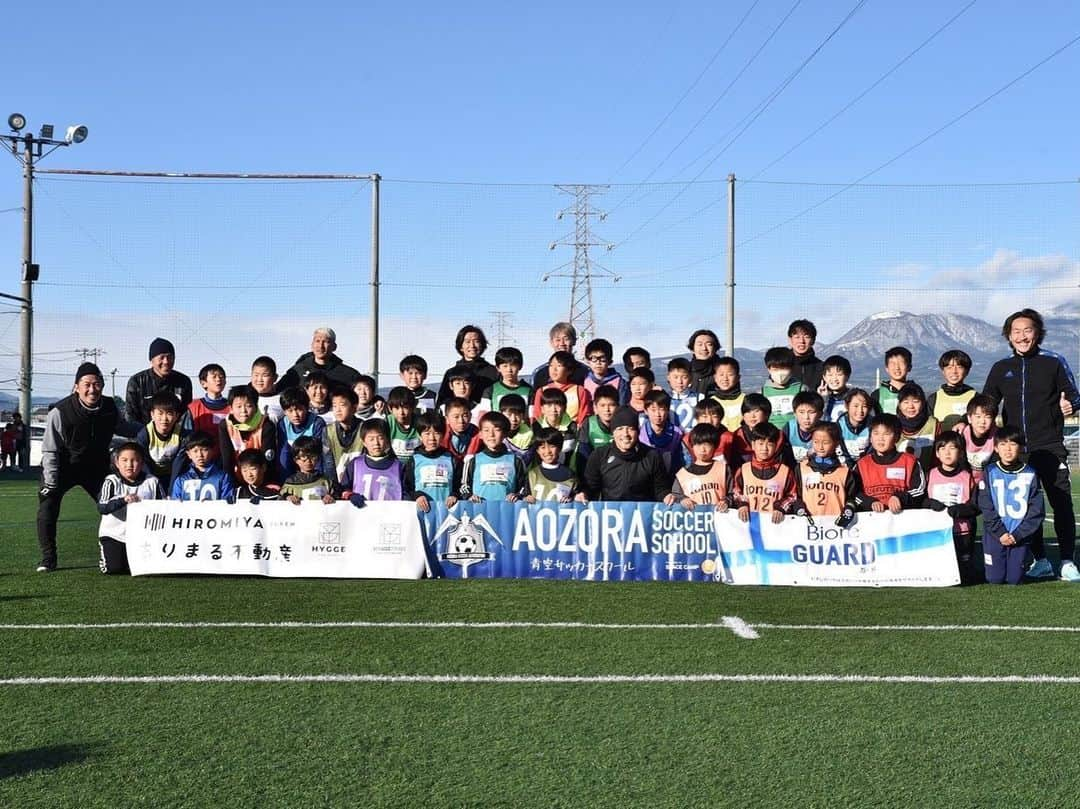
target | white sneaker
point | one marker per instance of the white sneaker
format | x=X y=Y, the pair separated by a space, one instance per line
x=1069 y=572
x=1040 y=569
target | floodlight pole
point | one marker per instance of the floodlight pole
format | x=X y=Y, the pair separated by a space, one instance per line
x=26 y=331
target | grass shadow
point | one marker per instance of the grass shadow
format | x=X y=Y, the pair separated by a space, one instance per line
x=37 y=759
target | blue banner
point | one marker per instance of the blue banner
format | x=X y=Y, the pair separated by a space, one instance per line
x=591 y=542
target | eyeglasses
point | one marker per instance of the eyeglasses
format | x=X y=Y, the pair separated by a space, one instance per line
x=597 y=358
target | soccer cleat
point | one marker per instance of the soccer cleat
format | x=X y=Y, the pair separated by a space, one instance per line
x=1069 y=572
x=46 y=567
x=1040 y=569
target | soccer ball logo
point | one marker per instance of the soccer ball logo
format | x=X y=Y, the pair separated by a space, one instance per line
x=465 y=542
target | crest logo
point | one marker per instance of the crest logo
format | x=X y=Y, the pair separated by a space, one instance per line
x=466 y=543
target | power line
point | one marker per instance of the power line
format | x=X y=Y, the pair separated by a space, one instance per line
x=917 y=144
x=690 y=89
x=769 y=99
x=869 y=89
x=712 y=106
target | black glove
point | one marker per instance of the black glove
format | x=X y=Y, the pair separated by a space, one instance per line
x=254 y=500
x=846 y=518
x=802 y=512
x=954 y=511
x=358 y=500
x=935 y=505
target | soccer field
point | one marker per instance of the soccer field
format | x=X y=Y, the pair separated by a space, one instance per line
x=248 y=692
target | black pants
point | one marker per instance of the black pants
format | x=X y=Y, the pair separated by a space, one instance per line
x=1053 y=473
x=113 y=556
x=49 y=506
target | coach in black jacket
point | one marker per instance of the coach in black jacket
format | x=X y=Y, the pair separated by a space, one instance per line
x=1036 y=390
x=160 y=376
x=625 y=470
x=74 y=452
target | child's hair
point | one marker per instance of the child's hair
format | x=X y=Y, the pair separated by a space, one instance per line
x=704 y=434
x=658 y=397
x=709 y=407
x=766 y=431
x=317 y=378
x=953 y=438
x=910 y=390
x=430 y=420
x=636 y=351
x=266 y=363
x=375 y=426
x=165 y=400
x=401 y=396
x=889 y=421
x=364 y=379
x=251 y=457
x=808 y=397
x=899 y=351
x=413 y=362
x=243 y=392
x=678 y=364
x=980 y=401
x=839 y=363
x=132 y=446
x=467 y=329
x=509 y=354
x=458 y=374
x=729 y=362
x=549 y=436
x=703 y=333
x=307 y=446
x=458 y=403
x=601 y=345
x=1036 y=321
x=756 y=401
x=206 y=370
x=564 y=358
x=858 y=393
x=516 y=404
x=497 y=420
x=344 y=392
x=199 y=438
x=961 y=358
x=802 y=325
x=1010 y=433
x=643 y=373
x=552 y=396
x=830 y=428
x=605 y=392
x=779 y=357
x=294 y=397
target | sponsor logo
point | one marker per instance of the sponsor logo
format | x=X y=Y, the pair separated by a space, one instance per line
x=466 y=543
x=390 y=540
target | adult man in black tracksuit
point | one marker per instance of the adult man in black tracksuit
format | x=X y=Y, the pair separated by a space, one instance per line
x=626 y=470
x=320 y=358
x=74 y=452
x=143 y=386
x=802 y=334
x=1036 y=389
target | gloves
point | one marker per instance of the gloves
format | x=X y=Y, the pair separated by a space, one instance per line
x=846 y=518
x=802 y=512
x=936 y=505
x=254 y=500
x=954 y=511
x=358 y=500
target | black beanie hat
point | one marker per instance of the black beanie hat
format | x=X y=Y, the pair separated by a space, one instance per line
x=88 y=369
x=161 y=346
x=625 y=417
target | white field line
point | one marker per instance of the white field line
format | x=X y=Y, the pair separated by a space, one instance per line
x=550 y=679
x=914 y=628
x=739 y=627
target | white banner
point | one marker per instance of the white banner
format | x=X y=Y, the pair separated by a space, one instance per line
x=911 y=549
x=340 y=541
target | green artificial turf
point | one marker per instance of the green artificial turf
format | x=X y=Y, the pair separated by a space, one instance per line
x=514 y=744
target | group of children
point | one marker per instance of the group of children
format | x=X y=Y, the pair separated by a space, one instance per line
x=784 y=450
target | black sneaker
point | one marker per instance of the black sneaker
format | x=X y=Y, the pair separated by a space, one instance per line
x=46 y=566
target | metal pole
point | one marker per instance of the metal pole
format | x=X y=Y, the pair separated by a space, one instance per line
x=27 y=290
x=375 y=277
x=731 y=265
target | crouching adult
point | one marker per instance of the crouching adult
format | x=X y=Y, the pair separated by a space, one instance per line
x=626 y=470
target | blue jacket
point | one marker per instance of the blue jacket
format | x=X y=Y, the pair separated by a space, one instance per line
x=1011 y=502
x=211 y=484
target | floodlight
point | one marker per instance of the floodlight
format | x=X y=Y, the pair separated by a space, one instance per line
x=46 y=132
x=16 y=121
x=76 y=134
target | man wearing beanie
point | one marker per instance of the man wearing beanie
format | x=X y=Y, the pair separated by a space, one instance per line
x=626 y=470
x=74 y=452
x=159 y=376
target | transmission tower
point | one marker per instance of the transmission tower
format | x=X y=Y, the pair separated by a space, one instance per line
x=501 y=325
x=583 y=267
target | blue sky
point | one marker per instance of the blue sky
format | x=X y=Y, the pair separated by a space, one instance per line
x=516 y=99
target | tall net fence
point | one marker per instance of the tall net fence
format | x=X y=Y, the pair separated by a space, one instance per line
x=230 y=269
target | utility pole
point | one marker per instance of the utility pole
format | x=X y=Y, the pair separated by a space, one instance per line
x=501 y=324
x=112 y=373
x=91 y=354
x=583 y=266
x=28 y=149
